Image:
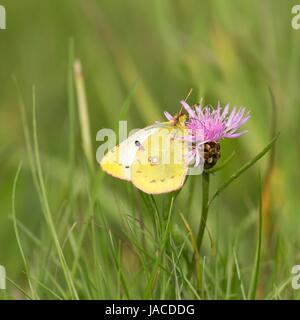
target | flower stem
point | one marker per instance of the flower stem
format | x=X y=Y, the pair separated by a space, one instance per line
x=205 y=202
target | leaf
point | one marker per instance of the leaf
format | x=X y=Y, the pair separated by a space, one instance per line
x=222 y=165
x=242 y=169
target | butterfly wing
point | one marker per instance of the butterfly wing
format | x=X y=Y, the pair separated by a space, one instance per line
x=117 y=161
x=159 y=165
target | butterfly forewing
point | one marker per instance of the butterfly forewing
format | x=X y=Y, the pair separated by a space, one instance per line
x=118 y=161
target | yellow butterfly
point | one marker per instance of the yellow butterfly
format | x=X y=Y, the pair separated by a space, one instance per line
x=152 y=158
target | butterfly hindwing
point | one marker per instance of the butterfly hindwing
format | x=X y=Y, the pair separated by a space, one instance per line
x=159 y=165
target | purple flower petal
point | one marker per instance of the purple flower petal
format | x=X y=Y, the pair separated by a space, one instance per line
x=206 y=124
x=168 y=116
x=189 y=110
x=234 y=135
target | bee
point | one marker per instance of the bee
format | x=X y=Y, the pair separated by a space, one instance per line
x=212 y=153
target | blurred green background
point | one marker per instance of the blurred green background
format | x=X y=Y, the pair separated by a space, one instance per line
x=232 y=51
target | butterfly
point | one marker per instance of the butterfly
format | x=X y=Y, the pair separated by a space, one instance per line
x=152 y=158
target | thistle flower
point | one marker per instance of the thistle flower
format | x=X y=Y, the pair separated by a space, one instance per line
x=216 y=124
x=207 y=126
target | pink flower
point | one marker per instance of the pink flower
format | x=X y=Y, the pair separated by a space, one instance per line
x=194 y=155
x=168 y=116
x=216 y=124
x=208 y=124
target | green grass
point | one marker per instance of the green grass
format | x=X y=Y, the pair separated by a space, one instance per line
x=67 y=230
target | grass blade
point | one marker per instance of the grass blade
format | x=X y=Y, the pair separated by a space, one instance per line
x=83 y=115
x=46 y=206
x=238 y=270
x=71 y=106
x=255 y=274
x=154 y=273
x=222 y=165
x=27 y=272
x=116 y=256
x=269 y=176
x=244 y=168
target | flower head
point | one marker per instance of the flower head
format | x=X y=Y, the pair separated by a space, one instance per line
x=217 y=123
x=206 y=127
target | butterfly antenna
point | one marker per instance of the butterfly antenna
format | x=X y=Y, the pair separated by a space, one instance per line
x=188 y=95
x=186 y=98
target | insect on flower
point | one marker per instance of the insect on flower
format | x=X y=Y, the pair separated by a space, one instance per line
x=156 y=160
x=215 y=124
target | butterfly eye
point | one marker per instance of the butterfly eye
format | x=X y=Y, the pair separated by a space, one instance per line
x=137 y=143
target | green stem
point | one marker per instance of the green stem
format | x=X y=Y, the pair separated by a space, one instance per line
x=205 y=202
